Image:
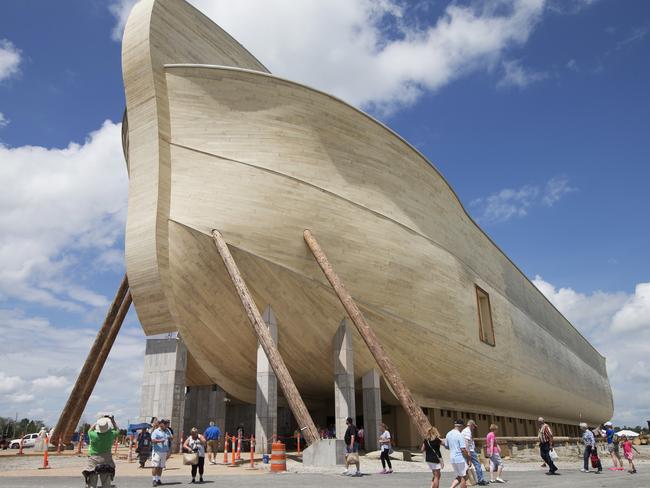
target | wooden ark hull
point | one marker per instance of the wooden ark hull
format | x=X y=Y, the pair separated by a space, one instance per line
x=216 y=142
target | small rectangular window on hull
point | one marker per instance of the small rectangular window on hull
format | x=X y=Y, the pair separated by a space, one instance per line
x=486 y=328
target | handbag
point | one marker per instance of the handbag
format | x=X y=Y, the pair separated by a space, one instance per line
x=191 y=458
x=351 y=458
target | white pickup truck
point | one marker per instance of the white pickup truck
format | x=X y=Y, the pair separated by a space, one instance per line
x=28 y=441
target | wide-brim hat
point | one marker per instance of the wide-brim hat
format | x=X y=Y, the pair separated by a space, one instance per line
x=103 y=425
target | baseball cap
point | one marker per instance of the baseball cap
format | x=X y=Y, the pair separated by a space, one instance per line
x=459 y=422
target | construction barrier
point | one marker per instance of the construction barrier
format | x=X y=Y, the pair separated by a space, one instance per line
x=278 y=457
x=298 y=442
x=252 y=466
x=238 y=456
x=234 y=448
x=225 y=449
x=22 y=439
x=130 y=458
x=80 y=442
x=46 y=461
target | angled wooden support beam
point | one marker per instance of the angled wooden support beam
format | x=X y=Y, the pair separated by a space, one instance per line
x=93 y=365
x=388 y=369
x=291 y=393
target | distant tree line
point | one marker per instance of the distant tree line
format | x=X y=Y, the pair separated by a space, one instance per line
x=10 y=428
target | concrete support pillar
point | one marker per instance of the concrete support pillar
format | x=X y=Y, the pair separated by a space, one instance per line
x=204 y=404
x=371 y=409
x=344 y=403
x=163 y=384
x=266 y=402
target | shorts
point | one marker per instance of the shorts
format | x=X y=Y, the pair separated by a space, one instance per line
x=213 y=445
x=434 y=466
x=460 y=469
x=496 y=461
x=612 y=448
x=158 y=459
x=629 y=456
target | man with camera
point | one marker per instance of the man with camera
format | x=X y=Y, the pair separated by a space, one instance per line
x=100 y=465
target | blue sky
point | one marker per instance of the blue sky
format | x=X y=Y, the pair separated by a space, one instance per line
x=535 y=112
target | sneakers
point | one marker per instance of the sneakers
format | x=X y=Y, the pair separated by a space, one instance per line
x=383 y=471
x=499 y=480
x=583 y=470
x=390 y=471
x=345 y=472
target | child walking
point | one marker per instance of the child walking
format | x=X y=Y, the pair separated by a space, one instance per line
x=628 y=454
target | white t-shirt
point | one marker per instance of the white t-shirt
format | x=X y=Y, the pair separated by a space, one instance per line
x=467 y=434
x=196 y=446
x=385 y=437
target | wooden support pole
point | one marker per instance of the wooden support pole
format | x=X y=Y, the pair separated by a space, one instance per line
x=93 y=365
x=386 y=365
x=291 y=393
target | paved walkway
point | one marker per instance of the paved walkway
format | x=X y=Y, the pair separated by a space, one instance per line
x=523 y=479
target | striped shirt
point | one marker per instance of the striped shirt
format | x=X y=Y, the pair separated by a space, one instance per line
x=545 y=434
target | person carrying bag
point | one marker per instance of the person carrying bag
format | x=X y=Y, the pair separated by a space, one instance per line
x=194 y=453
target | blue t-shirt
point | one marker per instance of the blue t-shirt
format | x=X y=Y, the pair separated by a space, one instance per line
x=159 y=435
x=212 y=433
x=610 y=436
x=455 y=443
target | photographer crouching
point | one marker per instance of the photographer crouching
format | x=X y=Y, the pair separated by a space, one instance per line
x=100 y=465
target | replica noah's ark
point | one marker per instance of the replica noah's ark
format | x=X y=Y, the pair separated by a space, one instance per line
x=215 y=141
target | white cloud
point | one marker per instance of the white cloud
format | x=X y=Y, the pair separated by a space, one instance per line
x=515 y=74
x=555 y=189
x=618 y=324
x=342 y=47
x=635 y=314
x=10 y=383
x=55 y=205
x=32 y=379
x=20 y=397
x=511 y=203
x=10 y=57
x=49 y=382
x=572 y=64
x=4 y=121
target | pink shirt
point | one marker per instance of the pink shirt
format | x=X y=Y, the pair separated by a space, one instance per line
x=627 y=448
x=491 y=444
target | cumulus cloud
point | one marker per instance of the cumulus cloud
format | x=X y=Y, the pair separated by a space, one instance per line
x=49 y=382
x=10 y=57
x=376 y=55
x=9 y=383
x=516 y=202
x=515 y=74
x=4 y=121
x=55 y=205
x=30 y=386
x=635 y=314
x=618 y=325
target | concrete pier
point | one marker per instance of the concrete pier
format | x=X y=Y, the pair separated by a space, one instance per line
x=371 y=409
x=163 y=384
x=266 y=400
x=344 y=403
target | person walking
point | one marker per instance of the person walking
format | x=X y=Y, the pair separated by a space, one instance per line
x=432 y=456
x=212 y=434
x=613 y=447
x=460 y=458
x=546 y=445
x=100 y=464
x=160 y=445
x=627 y=452
x=589 y=442
x=494 y=453
x=468 y=433
x=351 y=439
x=384 y=448
x=196 y=443
x=144 y=446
